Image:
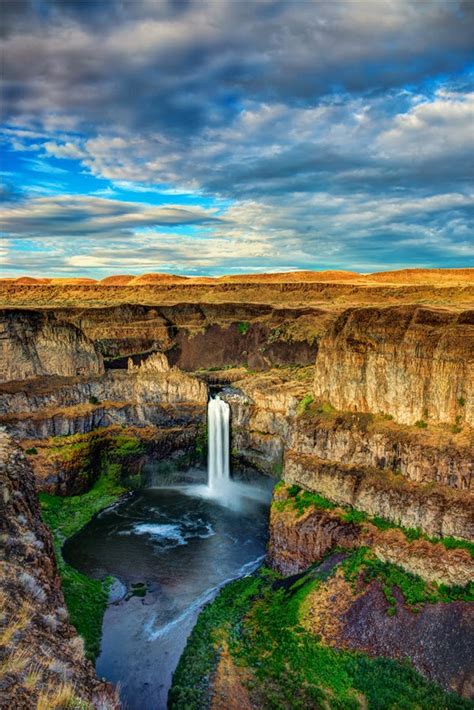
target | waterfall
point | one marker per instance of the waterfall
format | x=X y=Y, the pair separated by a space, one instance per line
x=218 y=413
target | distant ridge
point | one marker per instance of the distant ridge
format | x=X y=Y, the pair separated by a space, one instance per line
x=119 y=280
x=150 y=279
x=408 y=277
x=291 y=276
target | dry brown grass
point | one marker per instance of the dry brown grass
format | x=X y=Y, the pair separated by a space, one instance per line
x=322 y=611
x=446 y=288
x=15 y=662
x=60 y=696
x=33 y=677
x=17 y=623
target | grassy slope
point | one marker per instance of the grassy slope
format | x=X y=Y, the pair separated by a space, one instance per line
x=285 y=666
x=85 y=598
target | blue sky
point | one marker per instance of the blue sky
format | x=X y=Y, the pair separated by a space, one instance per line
x=224 y=137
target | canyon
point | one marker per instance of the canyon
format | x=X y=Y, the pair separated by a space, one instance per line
x=356 y=391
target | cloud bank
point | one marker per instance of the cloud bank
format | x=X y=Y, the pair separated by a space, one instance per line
x=208 y=137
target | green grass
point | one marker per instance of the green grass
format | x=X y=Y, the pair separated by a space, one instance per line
x=304 y=404
x=125 y=446
x=243 y=328
x=86 y=598
x=415 y=590
x=286 y=666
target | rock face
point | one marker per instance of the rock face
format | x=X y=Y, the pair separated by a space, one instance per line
x=437 y=639
x=158 y=362
x=299 y=540
x=42 y=655
x=437 y=512
x=354 y=440
x=409 y=362
x=167 y=407
x=266 y=423
x=209 y=335
x=35 y=344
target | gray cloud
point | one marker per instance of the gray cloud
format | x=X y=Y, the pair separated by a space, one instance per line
x=93 y=216
x=340 y=133
x=182 y=67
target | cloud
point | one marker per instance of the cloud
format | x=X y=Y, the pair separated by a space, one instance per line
x=182 y=68
x=324 y=134
x=62 y=216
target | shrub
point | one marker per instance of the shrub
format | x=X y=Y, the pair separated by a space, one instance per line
x=243 y=328
x=461 y=401
x=31 y=451
x=305 y=403
x=293 y=490
x=421 y=424
x=93 y=399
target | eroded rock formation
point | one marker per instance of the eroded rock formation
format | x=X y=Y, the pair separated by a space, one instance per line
x=35 y=344
x=412 y=363
x=43 y=662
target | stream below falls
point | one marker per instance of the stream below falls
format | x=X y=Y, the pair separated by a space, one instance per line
x=184 y=545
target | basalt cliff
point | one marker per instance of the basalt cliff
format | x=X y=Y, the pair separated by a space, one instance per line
x=356 y=393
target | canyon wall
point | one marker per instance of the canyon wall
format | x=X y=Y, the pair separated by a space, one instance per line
x=43 y=662
x=368 y=409
x=34 y=344
x=410 y=362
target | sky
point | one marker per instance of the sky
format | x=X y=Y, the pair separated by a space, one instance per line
x=226 y=136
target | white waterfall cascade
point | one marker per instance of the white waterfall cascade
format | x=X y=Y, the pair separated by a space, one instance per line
x=218 y=416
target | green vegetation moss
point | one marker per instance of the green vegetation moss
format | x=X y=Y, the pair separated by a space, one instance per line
x=243 y=328
x=300 y=500
x=86 y=599
x=363 y=564
x=286 y=667
x=126 y=446
x=304 y=404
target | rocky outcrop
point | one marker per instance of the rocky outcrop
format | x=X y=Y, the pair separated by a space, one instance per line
x=266 y=422
x=85 y=418
x=166 y=406
x=137 y=387
x=43 y=662
x=437 y=511
x=36 y=344
x=410 y=362
x=437 y=639
x=299 y=540
x=69 y=465
x=358 y=440
x=157 y=362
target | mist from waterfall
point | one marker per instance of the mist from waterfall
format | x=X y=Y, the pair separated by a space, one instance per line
x=218 y=416
x=236 y=492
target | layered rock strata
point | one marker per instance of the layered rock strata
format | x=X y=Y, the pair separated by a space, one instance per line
x=413 y=363
x=35 y=344
x=43 y=662
x=298 y=540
